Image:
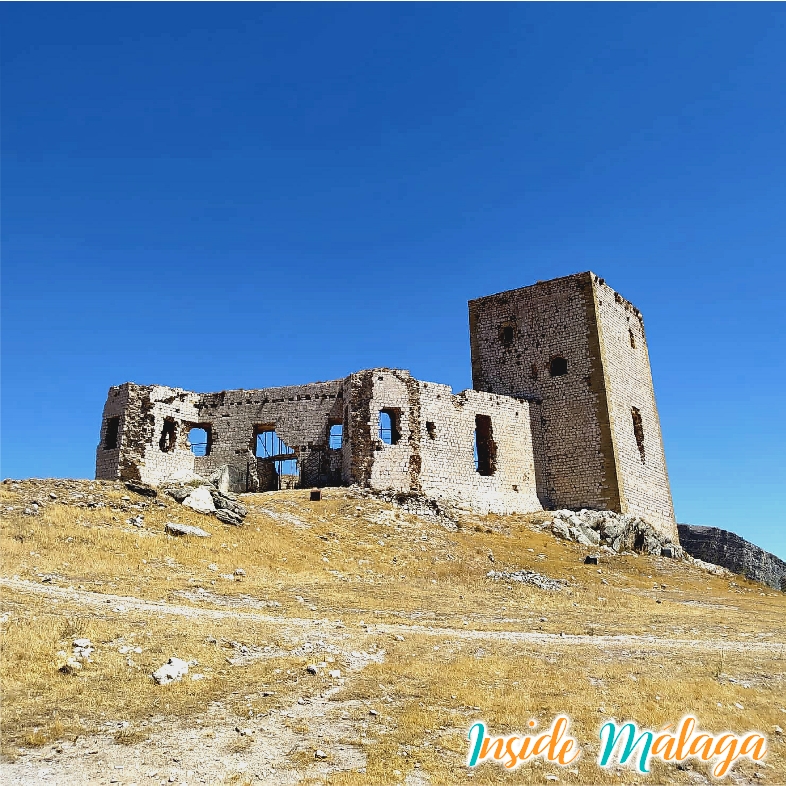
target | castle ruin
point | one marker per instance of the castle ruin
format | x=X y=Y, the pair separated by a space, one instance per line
x=562 y=414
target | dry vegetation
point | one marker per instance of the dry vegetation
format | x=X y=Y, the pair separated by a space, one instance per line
x=400 y=604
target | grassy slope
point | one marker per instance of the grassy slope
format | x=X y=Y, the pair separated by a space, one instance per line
x=359 y=573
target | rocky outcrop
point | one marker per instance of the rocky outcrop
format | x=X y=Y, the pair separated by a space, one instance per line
x=734 y=553
x=616 y=531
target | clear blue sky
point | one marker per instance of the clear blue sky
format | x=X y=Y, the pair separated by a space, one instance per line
x=218 y=196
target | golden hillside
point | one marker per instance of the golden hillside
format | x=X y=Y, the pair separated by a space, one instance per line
x=409 y=640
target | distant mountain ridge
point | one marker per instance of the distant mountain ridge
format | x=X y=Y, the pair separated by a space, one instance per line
x=738 y=555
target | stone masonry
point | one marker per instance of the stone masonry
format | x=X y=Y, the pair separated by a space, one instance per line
x=562 y=415
x=576 y=350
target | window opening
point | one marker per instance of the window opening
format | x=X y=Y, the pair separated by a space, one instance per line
x=168 y=436
x=558 y=367
x=533 y=371
x=336 y=439
x=431 y=429
x=111 y=433
x=485 y=448
x=268 y=445
x=200 y=440
x=638 y=431
x=632 y=339
x=388 y=426
x=506 y=335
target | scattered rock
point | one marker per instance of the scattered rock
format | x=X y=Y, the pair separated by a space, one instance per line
x=527 y=577
x=312 y=669
x=83 y=649
x=141 y=488
x=185 y=529
x=71 y=666
x=320 y=754
x=335 y=674
x=172 y=671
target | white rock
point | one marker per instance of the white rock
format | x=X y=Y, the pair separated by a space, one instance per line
x=320 y=754
x=200 y=500
x=172 y=671
x=185 y=529
x=82 y=643
x=335 y=674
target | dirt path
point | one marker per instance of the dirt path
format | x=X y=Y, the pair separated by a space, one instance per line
x=325 y=627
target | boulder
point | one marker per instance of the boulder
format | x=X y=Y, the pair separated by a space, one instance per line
x=200 y=500
x=228 y=517
x=185 y=529
x=226 y=502
x=178 y=493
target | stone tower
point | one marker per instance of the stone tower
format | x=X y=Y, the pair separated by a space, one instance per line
x=576 y=350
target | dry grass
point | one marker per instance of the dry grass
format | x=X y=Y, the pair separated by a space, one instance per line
x=359 y=561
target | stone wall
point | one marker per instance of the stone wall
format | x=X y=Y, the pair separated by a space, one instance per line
x=633 y=414
x=734 y=553
x=558 y=343
x=301 y=416
x=431 y=453
x=434 y=451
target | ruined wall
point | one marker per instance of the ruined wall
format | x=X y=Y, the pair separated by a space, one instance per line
x=559 y=343
x=433 y=453
x=447 y=437
x=300 y=415
x=430 y=450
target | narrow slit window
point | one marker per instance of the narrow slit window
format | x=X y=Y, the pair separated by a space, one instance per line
x=388 y=426
x=638 y=431
x=336 y=438
x=558 y=367
x=111 y=433
x=485 y=448
x=506 y=335
x=168 y=436
x=431 y=429
x=632 y=339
